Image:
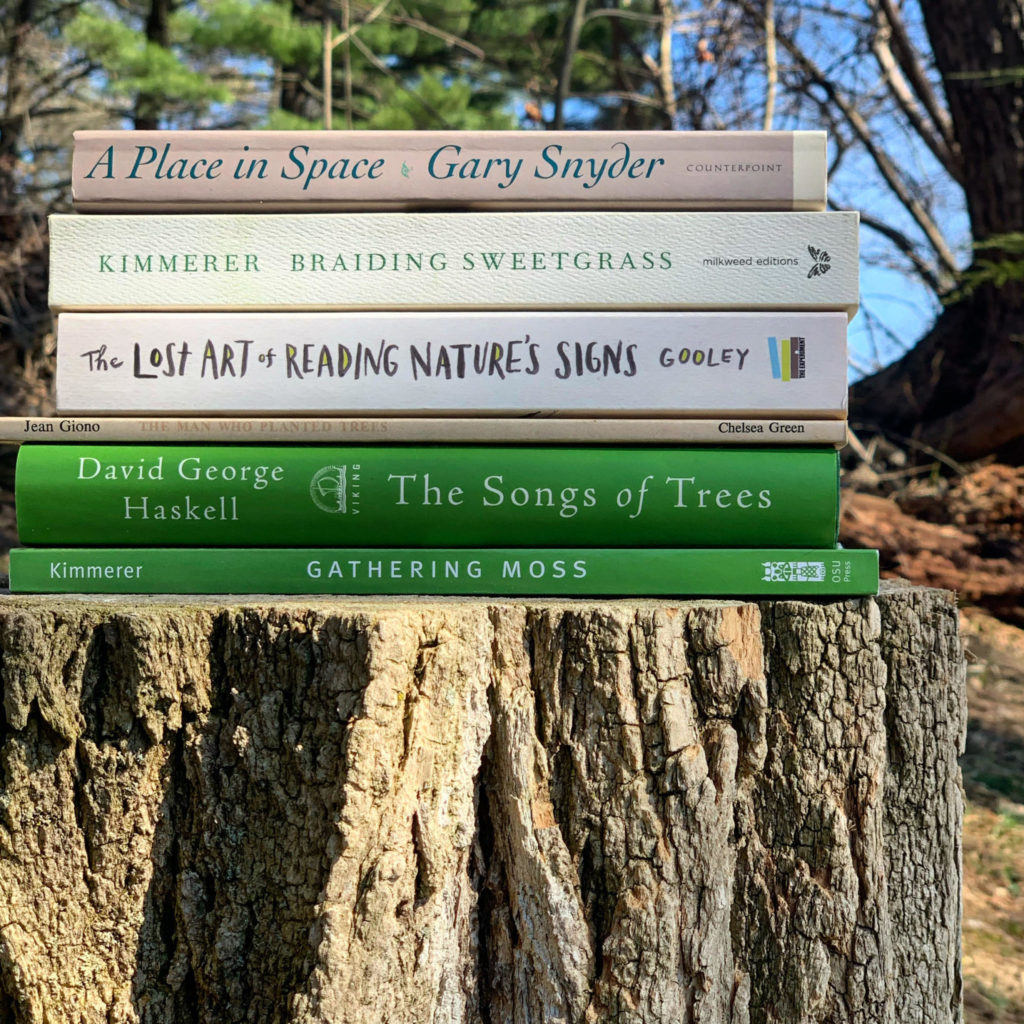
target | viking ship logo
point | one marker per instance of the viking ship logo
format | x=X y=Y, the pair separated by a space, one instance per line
x=329 y=489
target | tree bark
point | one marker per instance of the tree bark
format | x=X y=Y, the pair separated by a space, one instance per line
x=150 y=105
x=959 y=389
x=447 y=811
x=950 y=391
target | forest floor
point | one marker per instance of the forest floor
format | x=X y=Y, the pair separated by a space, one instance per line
x=993 y=768
x=962 y=531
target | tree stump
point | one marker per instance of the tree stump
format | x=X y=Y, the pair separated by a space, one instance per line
x=413 y=811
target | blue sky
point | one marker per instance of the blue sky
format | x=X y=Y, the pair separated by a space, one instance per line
x=896 y=311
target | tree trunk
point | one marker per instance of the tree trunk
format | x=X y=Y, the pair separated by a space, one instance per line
x=959 y=388
x=448 y=811
x=24 y=273
x=149 y=106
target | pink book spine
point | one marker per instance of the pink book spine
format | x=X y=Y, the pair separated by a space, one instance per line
x=124 y=171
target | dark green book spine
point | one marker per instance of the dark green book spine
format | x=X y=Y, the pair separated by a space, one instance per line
x=676 y=572
x=433 y=496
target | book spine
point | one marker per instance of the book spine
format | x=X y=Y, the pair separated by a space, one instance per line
x=675 y=572
x=239 y=170
x=458 y=496
x=427 y=430
x=512 y=364
x=594 y=261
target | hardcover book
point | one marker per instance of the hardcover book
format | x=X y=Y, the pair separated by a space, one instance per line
x=592 y=261
x=451 y=429
x=510 y=364
x=323 y=170
x=611 y=572
x=421 y=495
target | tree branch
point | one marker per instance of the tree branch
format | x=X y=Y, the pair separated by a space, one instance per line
x=346 y=15
x=771 y=64
x=327 y=67
x=947 y=266
x=384 y=69
x=611 y=12
x=452 y=40
x=622 y=94
x=929 y=133
x=906 y=246
x=346 y=32
x=910 y=65
x=572 y=40
x=666 y=80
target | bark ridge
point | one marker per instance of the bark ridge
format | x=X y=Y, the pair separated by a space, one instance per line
x=460 y=811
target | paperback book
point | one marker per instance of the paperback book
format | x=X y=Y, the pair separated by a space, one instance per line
x=611 y=572
x=422 y=495
x=732 y=430
x=506 y=364
x=563 y=260
x=128 y=171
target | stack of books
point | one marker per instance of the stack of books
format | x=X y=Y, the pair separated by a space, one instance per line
x=504 y=363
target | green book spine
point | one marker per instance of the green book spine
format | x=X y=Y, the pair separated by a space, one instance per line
x=427 y=496
x=678 y=572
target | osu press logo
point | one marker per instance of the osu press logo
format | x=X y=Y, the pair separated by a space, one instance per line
x=793 y=572
x=788 y=358
x=336 y=491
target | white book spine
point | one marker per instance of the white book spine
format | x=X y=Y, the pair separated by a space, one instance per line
x=506 y=364
x=417 y=429
x=258 y=170
x=791 y=261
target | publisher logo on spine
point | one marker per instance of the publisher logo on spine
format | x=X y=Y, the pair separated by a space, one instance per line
x=793 y=572
x=335 y=490
x=788 y=357
x=821 y=262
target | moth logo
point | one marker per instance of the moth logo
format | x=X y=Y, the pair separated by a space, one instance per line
x=793 y=572
x=822 y=262
x=788 y=358
x=335 y=490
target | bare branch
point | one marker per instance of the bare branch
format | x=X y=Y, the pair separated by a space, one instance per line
x=622 y=94
x=347 y=31
x=404 y=19
x=328 y=71
x=346 y=25
x=384 y=69
x=565 y=75
x=771 y=64
x=452 y=40
x=18 y=78
x=906 y=246
x=930 y=134
x=661 y=70
x=56 y=86
x=614 y=12
x=910 y=65
x=947 y=272
x=666 y=81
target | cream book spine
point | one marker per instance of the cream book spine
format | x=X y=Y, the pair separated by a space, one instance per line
x=443 y=364
x=492 y=430
x=513 y=260
x=130 y=171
